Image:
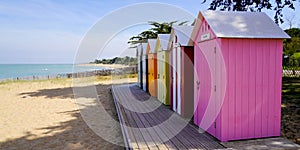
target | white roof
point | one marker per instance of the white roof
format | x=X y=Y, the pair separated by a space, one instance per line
x=144 y=48
x=164 y=40
x=183 y=34
x=231 y=24
x=152 y=43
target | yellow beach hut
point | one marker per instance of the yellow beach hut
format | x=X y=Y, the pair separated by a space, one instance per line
x=163 y=68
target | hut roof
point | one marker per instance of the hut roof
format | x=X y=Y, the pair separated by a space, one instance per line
x=229 y=24
x=152 y=43
x=183 y=34
x=164 y=40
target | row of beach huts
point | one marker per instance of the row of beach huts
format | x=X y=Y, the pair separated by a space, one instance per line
x=225 y=72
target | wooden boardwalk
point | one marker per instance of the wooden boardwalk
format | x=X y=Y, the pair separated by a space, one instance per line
x=147 y=124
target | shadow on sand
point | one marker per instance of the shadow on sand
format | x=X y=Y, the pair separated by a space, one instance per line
x=72 y=134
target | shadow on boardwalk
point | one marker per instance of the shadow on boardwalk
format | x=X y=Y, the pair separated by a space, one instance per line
x=148 y=125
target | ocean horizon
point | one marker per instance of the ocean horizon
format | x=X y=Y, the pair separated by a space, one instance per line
x=14 y=71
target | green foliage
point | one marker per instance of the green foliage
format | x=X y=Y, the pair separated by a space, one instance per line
x=117 y=60
x=293 y=32
x=157 y=28
x=297 y=55
x=291 y=48
x=253 y=5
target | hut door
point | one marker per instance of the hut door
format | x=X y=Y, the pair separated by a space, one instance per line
x=174 y=87
x=144 y=75
x=141 y=71
x=206 y=85
x=178 y=68
x=160 y=76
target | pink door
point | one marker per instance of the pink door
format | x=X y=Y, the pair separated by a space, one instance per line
x=205 y=86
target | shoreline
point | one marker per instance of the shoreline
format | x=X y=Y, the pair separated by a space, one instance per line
x=111 y=66
x=108 y=70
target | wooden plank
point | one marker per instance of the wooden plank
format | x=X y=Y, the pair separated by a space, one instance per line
x=245 y=88
x=278 y=84
x=187 y=131
x=201 y=140
x=128 y=137
x=133 y=140
x=271 y=93
x=147 y=133
x=155 y=139
x=238 y=90
x=252 y=87
x=265 y=98
x=181 y=136
x=139 y=141
x=231 y=93
x=259 y=89
x=165 y=129
x=153 y=132
x=225 y=105
x=141 y=137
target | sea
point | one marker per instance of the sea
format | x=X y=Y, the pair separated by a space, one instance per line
x=23 y=71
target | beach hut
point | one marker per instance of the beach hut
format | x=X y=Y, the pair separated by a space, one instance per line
x=163 y=68
x=144 y=68
x=140 y=65
x=238 y=72
x=181 y=71
x=152 y=67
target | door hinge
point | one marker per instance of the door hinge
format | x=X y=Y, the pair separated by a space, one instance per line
x=215 y=88
x=215 y=50
x=198 y=84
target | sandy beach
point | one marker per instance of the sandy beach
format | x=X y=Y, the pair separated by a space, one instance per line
x=44 y=115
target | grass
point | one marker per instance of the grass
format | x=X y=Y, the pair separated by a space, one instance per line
x=290 y=111
x=291 y=90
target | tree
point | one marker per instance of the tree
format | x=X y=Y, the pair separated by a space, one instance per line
x=290 y=21
x=142 y=37
x=117 y=60
x=158 y=28
x=291 y=47
x=253 y=5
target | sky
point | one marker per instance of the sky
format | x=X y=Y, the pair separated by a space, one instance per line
x=78 y=31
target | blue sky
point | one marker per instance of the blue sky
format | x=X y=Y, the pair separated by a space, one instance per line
x=36 y=31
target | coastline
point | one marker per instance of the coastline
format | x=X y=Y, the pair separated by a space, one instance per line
x=111 y=66
x=109 y=69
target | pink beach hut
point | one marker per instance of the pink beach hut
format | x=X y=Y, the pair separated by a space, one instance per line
x=181 y=70
x=238 y=71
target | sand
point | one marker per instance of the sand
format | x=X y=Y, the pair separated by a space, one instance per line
x=44 y=115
